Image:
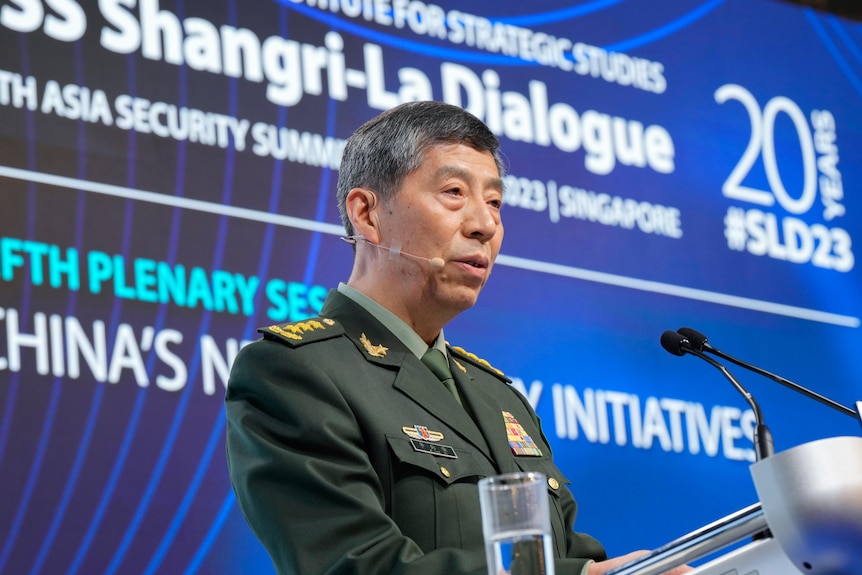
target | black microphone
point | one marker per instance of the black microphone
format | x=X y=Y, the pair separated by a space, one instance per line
x=677 y=344
x=699 y=342
x=395 y=251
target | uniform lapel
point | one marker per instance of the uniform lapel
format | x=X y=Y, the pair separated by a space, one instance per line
x=412 y=378
x=417 y=382
x=487 y=413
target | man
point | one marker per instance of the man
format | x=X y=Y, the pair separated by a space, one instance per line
x=347 y=453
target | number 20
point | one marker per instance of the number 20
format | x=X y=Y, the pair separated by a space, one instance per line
x=763 y=141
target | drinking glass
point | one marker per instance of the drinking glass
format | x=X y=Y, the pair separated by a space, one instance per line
x=516 y=524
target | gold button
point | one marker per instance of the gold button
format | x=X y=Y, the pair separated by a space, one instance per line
x=553 y=483
x=445 y=472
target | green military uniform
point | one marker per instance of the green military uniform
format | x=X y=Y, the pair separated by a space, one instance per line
x=348 y=455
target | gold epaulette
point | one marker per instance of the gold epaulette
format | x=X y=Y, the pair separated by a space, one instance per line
x=478 y=362
x=302 y=332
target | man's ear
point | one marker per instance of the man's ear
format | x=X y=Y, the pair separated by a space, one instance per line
x=363 y=211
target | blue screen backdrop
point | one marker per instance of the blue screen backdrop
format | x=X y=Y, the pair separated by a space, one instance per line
x=167 y=176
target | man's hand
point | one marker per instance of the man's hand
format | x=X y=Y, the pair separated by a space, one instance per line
x=602 y=567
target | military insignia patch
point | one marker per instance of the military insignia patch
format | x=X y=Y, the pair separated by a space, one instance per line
x=373 y=350
x=421 y=432
x=519 y=441
x=295 y=330
x=284 y=333
x=302 y=332
x=477 y=360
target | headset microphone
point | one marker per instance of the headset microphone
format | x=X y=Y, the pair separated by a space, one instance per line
x=395 y=251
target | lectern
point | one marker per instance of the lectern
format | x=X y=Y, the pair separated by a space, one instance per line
x=808 y=520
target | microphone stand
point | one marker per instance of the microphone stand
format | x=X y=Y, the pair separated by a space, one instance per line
x=679 y=344
x=699 y=342
x=762 y=437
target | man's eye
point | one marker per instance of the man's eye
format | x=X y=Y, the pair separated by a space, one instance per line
x=454 y=191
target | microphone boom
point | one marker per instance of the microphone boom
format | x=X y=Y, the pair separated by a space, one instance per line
x=677 y=344
x=700 y=343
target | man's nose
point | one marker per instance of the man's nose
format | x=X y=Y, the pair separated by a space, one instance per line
x=482 y=221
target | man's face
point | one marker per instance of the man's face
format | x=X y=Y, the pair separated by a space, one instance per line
x=448 y=208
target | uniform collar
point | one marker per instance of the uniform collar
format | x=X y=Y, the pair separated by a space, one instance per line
x=392 y=322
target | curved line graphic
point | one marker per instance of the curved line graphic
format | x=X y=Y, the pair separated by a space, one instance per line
x=134 y=420
x=214 y=530
x=113 y=481
x=33 y=475
x=322 y=201
x=337 y=23
x=71 y=303
x=12 y=394
x=854 y=50
x=830 y=46
x=116 y=310
x=131 y=427
x=178 y=418
x=159 y=469
x=188 y=499
x=72 y=481
x=263 y=267
x=667 y=29
x=218 y=428
x=93 y=414
x=9 y=407
x=559 y=15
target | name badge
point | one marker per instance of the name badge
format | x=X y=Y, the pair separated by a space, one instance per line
x=433 y=448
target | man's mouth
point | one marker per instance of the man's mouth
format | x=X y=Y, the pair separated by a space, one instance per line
x=477 y=262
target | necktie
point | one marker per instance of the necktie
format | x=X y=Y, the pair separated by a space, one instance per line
x=436 y=362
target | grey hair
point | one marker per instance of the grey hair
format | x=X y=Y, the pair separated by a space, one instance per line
x=386 y=149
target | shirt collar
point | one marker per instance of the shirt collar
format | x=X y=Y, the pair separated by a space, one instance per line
x=393 y=323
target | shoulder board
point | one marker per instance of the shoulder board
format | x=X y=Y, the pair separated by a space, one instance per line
x=462 y=353
x=301 y=332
